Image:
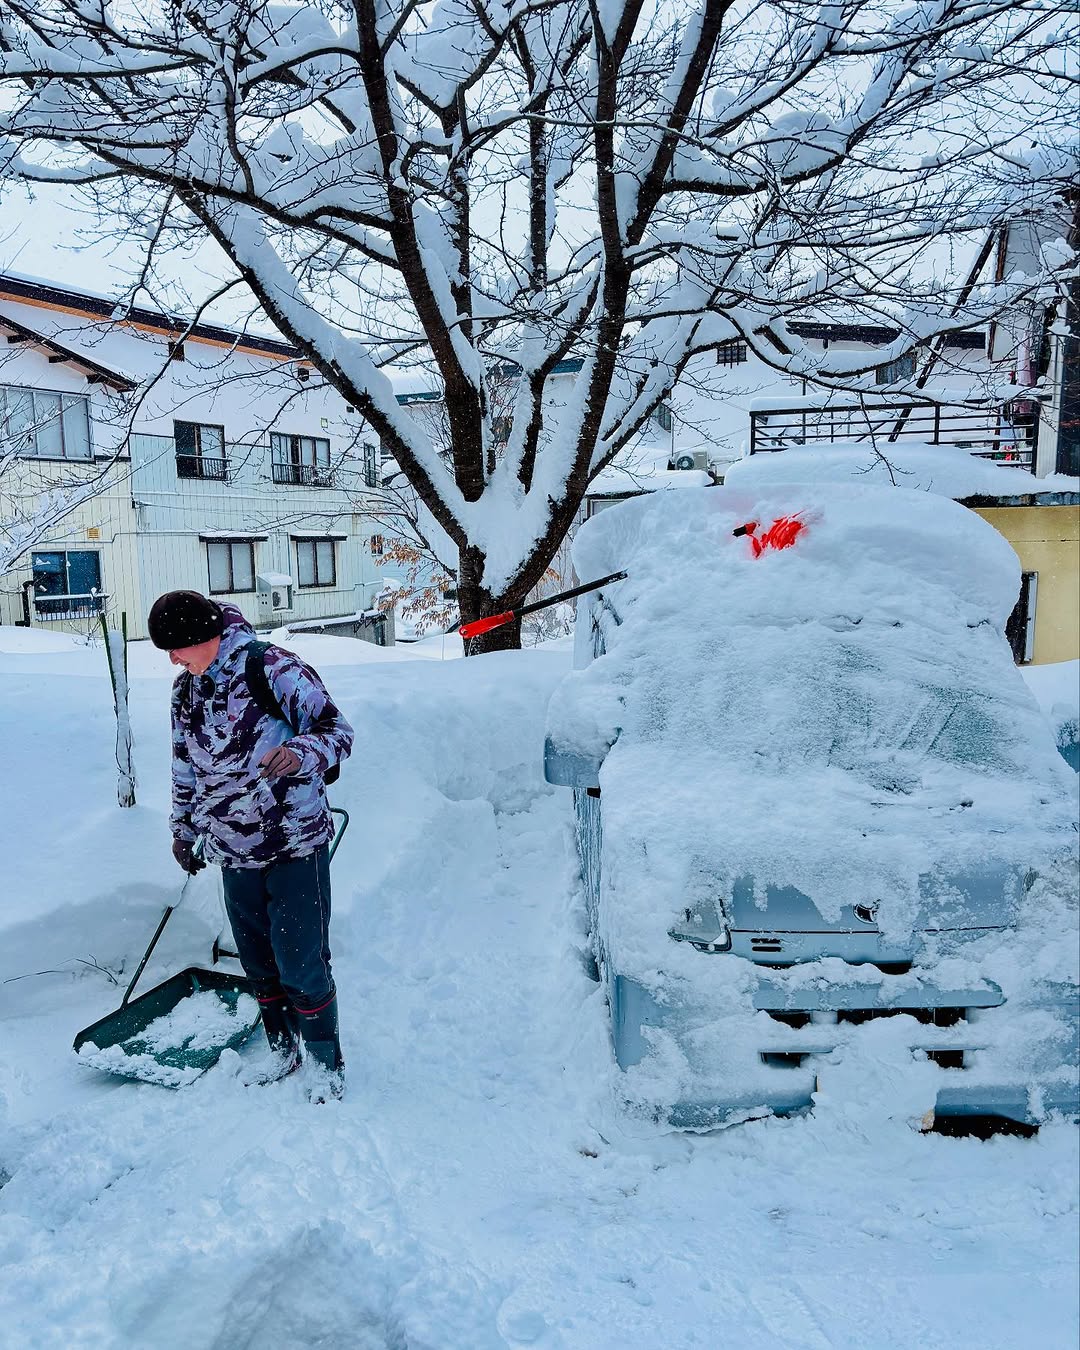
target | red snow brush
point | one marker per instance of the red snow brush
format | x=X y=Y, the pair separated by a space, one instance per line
x=782 y=533
x=478 y=626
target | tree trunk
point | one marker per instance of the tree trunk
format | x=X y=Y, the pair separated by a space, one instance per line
x=475 y=601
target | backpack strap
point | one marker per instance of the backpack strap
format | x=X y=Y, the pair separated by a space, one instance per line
x=258 y=684
x=263 y=696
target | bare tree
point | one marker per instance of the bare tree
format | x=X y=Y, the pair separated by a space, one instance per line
x=471 y=184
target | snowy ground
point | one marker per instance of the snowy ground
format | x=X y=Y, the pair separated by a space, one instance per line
x=477 y=1188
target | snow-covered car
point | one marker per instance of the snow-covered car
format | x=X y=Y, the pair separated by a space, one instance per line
x=822 y=822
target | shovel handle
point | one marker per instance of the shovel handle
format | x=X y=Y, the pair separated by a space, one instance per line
x=153 y=943
x=340 y=829
x=197 y=852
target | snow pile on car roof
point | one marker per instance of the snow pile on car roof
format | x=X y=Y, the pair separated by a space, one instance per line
x=842 y=715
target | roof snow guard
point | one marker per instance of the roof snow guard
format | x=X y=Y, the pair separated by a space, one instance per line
x=95 y=373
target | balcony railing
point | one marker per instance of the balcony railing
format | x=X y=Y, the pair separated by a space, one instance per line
x=202 y=466
x=69 y=606
x=976 y=428
x=303 y=475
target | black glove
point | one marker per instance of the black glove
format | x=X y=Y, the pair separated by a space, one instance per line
x=183 y=851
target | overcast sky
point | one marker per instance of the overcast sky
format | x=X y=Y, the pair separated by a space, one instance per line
x=49 y=237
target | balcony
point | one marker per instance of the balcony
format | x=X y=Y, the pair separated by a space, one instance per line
x=977 y=428
x=70 y=606
x=202 y=466
x=303 y=475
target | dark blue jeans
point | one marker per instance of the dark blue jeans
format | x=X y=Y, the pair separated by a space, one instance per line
x=280 y=917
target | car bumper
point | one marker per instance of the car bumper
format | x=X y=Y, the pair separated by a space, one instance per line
x=991 y=1057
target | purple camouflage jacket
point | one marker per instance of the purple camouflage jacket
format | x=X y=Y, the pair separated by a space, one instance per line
x=219 y=735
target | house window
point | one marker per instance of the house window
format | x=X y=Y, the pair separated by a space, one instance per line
x=377 y=545
x=45 y=425
x=232 y=565
x=67 y=585
x=662 y=416
x=371 y=465
x=903 y=368
x=732 y=353
x=200 y=451
x=1020 y=628
x=315 y=562
x=300 y=460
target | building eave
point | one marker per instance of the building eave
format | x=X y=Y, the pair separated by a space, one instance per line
x=95 y=372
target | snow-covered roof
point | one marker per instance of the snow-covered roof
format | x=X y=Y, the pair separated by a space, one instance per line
x=52 y=297
x=94 y=370
x=945 y=470
x=615 y=481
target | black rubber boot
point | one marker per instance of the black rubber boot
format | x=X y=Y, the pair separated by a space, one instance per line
x=281 y=1024
x=322 y=1047
x=282 y=1027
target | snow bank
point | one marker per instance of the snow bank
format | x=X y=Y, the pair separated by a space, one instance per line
x=946 y=470
x=23 y=640
x=842 y=716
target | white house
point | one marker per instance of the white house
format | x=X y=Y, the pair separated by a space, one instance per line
x=729 y=401
x=225 y=464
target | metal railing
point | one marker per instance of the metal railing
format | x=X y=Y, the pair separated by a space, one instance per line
x=70 y=606
x=981 y=430
x=202 y=466
x=302 y=475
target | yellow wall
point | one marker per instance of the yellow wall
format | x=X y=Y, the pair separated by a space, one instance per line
x=1047 y=541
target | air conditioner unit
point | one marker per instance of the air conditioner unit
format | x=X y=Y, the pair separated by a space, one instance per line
x=275 y=592
x=693 y=459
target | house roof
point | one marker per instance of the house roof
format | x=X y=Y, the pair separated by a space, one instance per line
x=93 y=370
x=877 y=334
x=31 y=291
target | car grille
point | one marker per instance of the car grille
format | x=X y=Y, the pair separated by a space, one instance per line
x=931 y=1017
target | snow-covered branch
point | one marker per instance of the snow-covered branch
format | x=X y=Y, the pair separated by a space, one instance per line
x=546 y=208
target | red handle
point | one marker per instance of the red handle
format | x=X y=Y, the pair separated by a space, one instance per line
x=478 y=626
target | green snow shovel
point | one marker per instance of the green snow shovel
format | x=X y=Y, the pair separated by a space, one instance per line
x=176 y=1031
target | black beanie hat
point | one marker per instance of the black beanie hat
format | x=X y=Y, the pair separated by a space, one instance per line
x=184 y=619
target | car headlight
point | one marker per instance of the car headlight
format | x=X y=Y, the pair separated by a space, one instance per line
x=704 y=925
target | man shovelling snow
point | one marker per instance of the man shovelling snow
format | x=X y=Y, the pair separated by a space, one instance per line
x=252 y=784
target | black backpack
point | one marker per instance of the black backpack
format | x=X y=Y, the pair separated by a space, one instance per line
x=263 y=696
